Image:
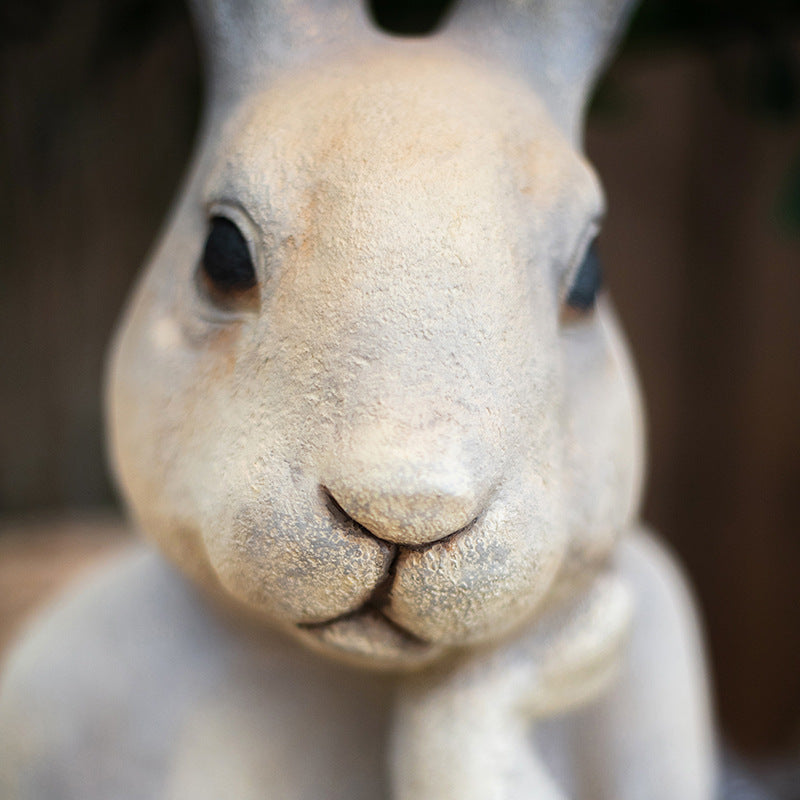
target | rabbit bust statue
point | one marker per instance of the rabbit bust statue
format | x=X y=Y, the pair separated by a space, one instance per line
x=369 y=406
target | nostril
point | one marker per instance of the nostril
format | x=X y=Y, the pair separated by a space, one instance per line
x=414 y=521
x=339 y=514
x=445 y=540
x=332 y=504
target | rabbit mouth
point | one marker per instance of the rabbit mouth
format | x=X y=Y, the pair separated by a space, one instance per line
x=368 y=636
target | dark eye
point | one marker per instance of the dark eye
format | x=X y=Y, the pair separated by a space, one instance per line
x=227 y=262
x=587 y=282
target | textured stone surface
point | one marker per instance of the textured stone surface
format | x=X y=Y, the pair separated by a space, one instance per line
x=398 y=447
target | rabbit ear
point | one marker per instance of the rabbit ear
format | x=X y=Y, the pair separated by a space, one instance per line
x=559 y=45
x=244 y=40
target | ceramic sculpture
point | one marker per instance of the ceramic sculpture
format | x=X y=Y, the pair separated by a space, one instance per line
x=384 y=433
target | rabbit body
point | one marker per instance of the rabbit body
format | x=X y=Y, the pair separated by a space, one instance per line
x=359 y=419
x=136 y=687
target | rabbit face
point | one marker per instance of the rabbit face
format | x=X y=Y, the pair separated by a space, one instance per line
x=389 y=440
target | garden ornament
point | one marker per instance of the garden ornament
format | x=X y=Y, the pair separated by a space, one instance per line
x=381 y=427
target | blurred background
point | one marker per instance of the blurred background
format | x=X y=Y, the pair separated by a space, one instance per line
x=695 y=132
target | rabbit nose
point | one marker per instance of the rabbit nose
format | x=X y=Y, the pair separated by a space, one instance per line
x=407 y=498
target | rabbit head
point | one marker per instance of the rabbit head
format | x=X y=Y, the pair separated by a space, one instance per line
x=365 y=389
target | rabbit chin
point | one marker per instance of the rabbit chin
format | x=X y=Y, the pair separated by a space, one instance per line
x=369 y=638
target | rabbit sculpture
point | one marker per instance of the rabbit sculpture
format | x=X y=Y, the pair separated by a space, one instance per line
x=372 y=409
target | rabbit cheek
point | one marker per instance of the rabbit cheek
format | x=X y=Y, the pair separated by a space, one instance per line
x=289 y=563
x=487 y=580
x=603 y=441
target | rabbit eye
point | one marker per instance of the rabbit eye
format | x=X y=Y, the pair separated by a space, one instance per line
x=587 y=282
x=227 y=262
